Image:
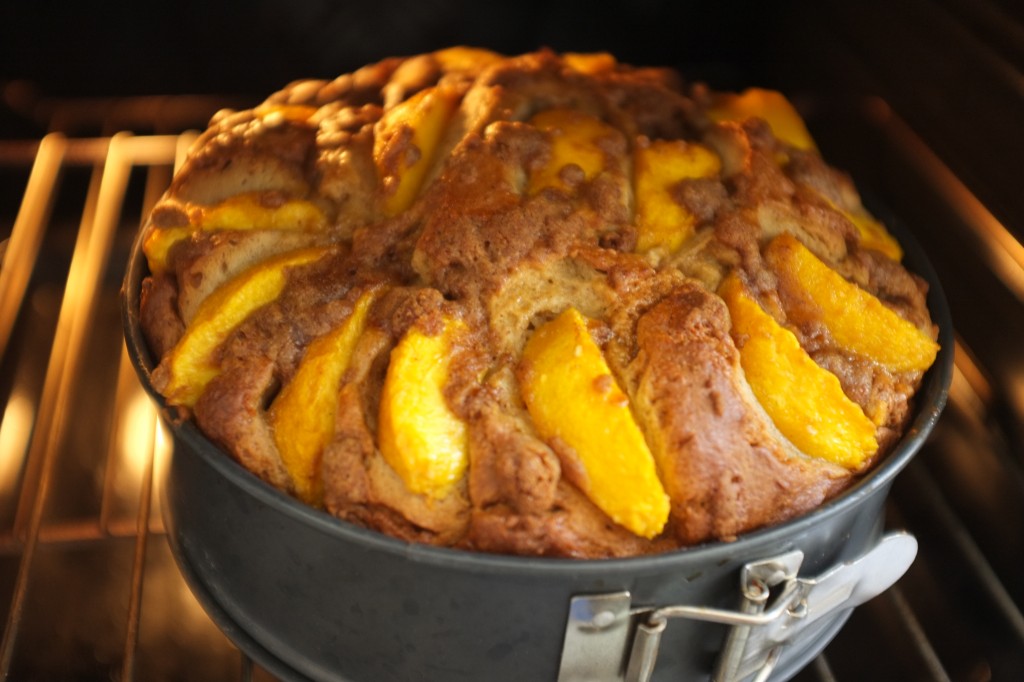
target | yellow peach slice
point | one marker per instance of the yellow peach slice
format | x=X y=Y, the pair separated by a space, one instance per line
x=659 y=166
x=573 y=399
x=158 y=243
x=240 y=212
x=247 y=212
x=302 y=415
x=289 y=112
x=406 y=141
x=857 y=321
x=805 y=402
x=191 y=363
x=873 y=234
x=418 y=434
x=462 y=58
x=575 y=139
x=590 y=62
x=773 y=107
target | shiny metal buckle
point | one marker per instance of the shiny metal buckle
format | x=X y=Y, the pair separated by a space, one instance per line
x=607 y=639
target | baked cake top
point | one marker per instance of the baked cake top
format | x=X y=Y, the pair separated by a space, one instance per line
x=544 y=304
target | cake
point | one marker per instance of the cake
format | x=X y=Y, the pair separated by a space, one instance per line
x=546 y=305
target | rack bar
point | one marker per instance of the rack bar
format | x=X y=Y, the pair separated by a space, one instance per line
x=89 y=260
x=29 y=228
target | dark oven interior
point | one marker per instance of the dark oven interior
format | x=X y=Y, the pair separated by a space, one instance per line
x=921 y=101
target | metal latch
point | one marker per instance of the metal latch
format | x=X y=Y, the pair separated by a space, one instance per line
x=608 y=639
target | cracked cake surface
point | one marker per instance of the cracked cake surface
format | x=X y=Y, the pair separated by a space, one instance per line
x=543 y=305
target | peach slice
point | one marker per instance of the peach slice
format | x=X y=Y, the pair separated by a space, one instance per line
x=773 y=107
x=575 y=139
x=574 y=401
x=462 y=58
x=241 y=212
x=857 y=321
x=302 y=415
x=249 y=212
x=226 y=256
x=805 y=402
x=418 y=434
x=190 y=364
x=873 y=234
x=590 y=62
x=658 y=166
x=158 y=244
x=406 y=142
x=288 y=112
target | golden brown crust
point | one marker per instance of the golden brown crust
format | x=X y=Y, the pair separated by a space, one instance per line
x=358 y=484
x=481 y=245
x=160 y=319
x=230 y=413
x=722 y=461
x=203 y=264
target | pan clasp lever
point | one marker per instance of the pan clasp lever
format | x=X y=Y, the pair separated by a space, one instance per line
x=607 y=639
